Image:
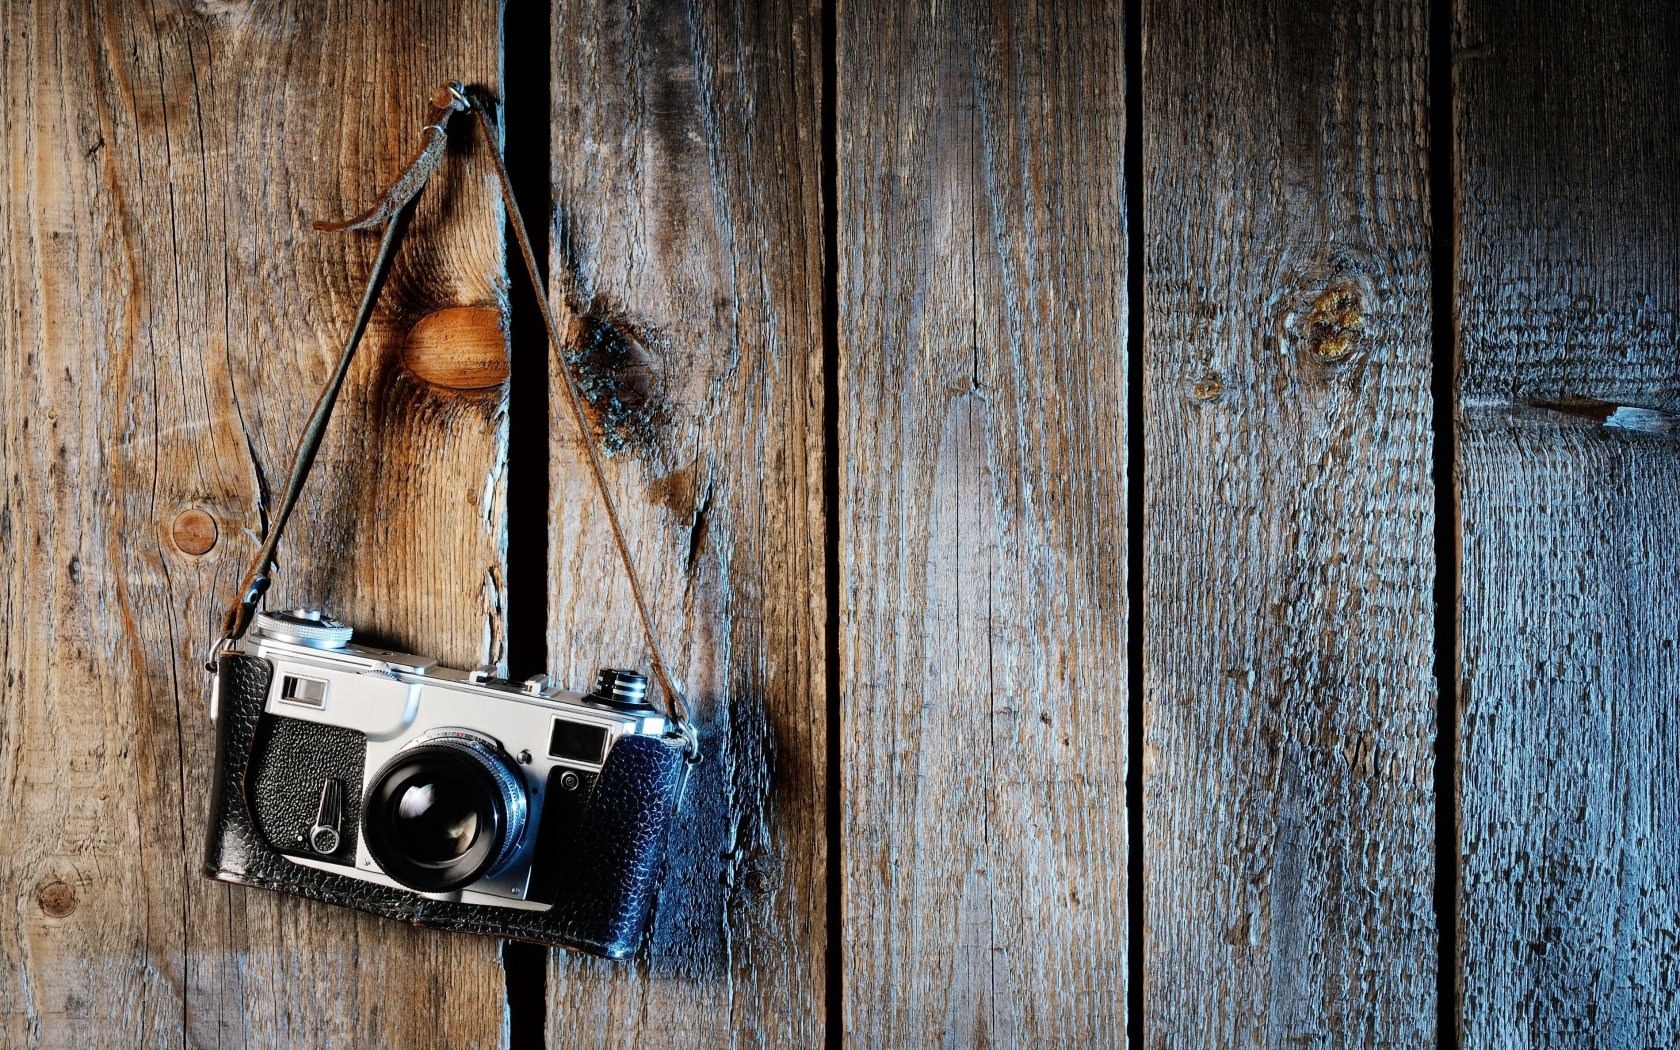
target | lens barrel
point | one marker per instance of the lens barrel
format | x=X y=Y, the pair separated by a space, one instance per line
x=444 y=812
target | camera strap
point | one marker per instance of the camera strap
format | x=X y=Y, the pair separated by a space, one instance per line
x=392 y=212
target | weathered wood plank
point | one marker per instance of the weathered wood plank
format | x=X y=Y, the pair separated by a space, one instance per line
x=1289 y=686
x=982 y=523
x=1567 y=288
x=168 y=319
x=688 y=254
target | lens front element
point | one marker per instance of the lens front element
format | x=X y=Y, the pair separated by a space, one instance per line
x=438 y=822
x=444 y=812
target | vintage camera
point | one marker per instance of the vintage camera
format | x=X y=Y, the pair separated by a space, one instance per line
x=449 y=798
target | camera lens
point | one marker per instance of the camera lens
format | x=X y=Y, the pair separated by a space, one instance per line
x=437 y=822
x=445 y=812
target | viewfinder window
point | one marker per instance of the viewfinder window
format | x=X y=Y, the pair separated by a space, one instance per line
x=308 y=692
x=577 y=741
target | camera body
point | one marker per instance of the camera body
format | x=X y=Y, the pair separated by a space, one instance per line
x=381 y=780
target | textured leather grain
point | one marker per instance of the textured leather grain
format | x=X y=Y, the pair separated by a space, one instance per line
x=611 y=873
x=562 y=814
x=608 y=872
x=293 y=759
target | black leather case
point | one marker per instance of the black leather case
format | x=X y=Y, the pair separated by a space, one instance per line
x=292 y=760
x=607 y=872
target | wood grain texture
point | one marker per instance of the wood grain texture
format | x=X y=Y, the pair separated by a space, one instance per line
x=982 y=301
x=168 y=319
x=1289 y=687
x=688 y=256
x=1568 y=285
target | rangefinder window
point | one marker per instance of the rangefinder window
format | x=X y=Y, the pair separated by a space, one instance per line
x=308 y=692
x=577 y=741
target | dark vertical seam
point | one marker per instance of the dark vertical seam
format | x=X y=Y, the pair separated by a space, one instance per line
x=1443 y=394
x=1135 y=986
x=978 y=219
x=527 y=147
x=835 y=1015
x=1134 y=526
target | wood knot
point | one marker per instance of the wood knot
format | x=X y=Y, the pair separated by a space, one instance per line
x=613 y=362
x=460 y=348
x=194 y=532
x=1325 y=320
x=1208 y=388
x=57 y=899
x=1335 y=323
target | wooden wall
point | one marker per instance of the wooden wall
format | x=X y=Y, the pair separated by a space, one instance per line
x=1288 y=687
x=1568 y=291
x=1166 y=511
x=982 y=528
x=168 y=320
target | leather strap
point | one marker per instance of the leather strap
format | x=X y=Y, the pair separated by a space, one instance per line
x=257 y=579
x=676 y=704
x=392 y=210
x=446 y=101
